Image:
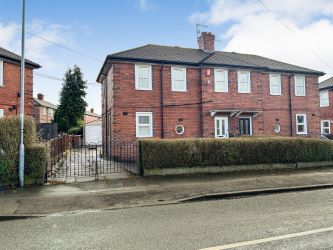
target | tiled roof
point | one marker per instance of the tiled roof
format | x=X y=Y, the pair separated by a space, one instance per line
x=6 y=54
x=196 y=57
x=328 y=83
x=92 y=114
x=45 y=103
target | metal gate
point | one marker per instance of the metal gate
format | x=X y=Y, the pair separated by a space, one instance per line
x=70 y=159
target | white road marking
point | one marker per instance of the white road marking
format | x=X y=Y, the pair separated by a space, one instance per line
x=269 y=239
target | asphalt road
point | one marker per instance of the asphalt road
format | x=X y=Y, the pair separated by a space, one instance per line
x=283 y=221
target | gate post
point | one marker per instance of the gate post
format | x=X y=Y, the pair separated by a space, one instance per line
x=141 y=168
x=96 y=166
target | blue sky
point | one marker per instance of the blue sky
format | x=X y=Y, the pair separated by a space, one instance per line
x=101 y=27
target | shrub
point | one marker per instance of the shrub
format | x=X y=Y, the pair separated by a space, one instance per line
x=36 y=158
x=9 y=145
x=156 y=153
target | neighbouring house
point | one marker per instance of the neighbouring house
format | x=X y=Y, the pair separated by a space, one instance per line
x=10 y=71
x=43 y=110
x=326 y=110
x=173 y=92
x=90 y=116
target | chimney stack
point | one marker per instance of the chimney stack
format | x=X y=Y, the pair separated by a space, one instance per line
x=207 y=41
x=92 y=110
x=40 y=97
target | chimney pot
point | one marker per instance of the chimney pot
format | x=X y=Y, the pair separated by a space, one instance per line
x=40 y=96
x=91 y=110
x=206 y=41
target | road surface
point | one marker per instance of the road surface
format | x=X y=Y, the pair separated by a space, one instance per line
x=302 y=220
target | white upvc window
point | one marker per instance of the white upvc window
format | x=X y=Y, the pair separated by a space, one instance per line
x=221 y=80
x=300 y=86
x=178 y=79
x=143 y=79
x=244 y=82
x=2 y=113
x=275 y=84
x=301 y=124
x=324 y=98
x=325 y=127
x=144 y=124
x=1 y=73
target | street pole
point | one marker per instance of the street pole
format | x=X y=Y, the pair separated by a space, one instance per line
x=21 y=152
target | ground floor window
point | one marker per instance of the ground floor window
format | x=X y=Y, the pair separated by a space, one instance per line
x=245 y=126
x=325 y=127
x=2 y=114
x=144 y=124
x=301 y=124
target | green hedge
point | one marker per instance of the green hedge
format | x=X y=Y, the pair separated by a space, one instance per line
x=9 y=145
x=182 y=153
x=36 y=158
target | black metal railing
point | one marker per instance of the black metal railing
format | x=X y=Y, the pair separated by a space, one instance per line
x=73 y=159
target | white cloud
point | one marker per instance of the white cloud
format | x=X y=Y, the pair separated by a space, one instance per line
x=36 y=48
x=251 y=28
x=145 y=4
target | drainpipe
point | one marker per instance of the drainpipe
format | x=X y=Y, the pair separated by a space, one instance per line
x=162 y=100
x=290 y=106
x=201 y=104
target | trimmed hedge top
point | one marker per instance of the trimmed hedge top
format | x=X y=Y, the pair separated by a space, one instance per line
x=158 y=153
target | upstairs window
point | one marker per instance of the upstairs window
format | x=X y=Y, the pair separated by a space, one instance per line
x=275 y=84
x=244 y=82
x=324 y=99
x=325 y=127
x=1 y=73
x=2 y=114
x=178 y=79
x=221 y=80
x=144 y=124
x=143 y=79
x=301 y=124
x=299 y=85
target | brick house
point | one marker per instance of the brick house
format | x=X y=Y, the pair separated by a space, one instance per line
x=10 y=84
x=43 y=110
x=172 y=92
x=326 y=110
x=91 y=116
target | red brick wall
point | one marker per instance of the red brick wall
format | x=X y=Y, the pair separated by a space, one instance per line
x=326 y=113
x=41 y=114
x=273 y=109
x=11 y=86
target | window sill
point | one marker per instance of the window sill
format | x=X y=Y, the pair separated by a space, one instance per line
x=302 y=133
x=144 y=89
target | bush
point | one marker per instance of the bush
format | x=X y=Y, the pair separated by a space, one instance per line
x=182 y=153
x=9 y=145
x=36 y=158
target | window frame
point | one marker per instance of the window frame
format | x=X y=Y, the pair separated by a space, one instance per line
x=320 y=98
x=137 y=87
x=305 y=123
x=279 y=82
x=226 y=81
x=137 y=125
x=173 y=79
x=322 y=127
x=2 y=113
x=1 y=73
x=295 y=84
x=249 y=81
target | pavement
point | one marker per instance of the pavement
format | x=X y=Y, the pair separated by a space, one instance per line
x=142 y=192
x=296 y=220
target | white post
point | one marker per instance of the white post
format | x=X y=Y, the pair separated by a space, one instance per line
x=21 y=152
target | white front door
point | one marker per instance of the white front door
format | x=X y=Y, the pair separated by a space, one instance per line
x=221 y=127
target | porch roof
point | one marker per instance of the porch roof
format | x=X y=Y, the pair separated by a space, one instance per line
x=234 y=112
